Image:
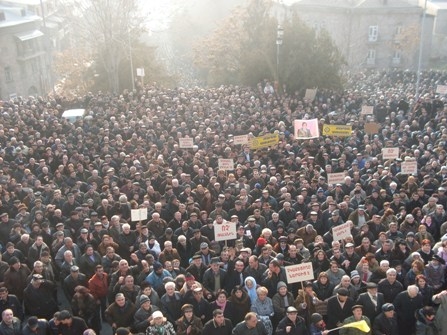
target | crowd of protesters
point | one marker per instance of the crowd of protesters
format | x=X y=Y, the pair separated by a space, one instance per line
x=67 y=191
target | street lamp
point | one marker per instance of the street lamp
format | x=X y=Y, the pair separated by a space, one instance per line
x=421 y=45
x=279 y=39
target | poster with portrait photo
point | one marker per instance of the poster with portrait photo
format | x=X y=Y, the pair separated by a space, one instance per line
x=306 y=129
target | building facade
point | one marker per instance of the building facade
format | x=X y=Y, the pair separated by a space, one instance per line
x=372 y=33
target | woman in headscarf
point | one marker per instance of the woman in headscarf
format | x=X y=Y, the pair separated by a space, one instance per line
x=250 y=287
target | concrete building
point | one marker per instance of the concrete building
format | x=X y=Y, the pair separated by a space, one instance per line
x=371 y=33
x=30 y=33
x=438 y=10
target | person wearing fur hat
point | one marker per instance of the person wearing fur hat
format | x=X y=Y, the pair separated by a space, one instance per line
x=159 y=325
x=281 y=301
x=189 y=324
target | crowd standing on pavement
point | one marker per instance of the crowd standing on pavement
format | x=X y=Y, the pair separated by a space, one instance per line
x=67 y=191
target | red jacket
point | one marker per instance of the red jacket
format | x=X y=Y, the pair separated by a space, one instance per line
x=98 y=286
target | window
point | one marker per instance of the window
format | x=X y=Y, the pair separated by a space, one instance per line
x=8 y=74
x=371 y=58
x=396 y=57
x=373 y=33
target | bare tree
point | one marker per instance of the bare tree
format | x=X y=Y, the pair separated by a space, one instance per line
x=107 y=28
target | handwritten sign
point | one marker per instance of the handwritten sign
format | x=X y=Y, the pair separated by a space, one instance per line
x=342 y=231
x=390 y=153
x=225 y=231
x=409 y=167
x=140 y=72
x=299 y=272
x=139 y=214
x=372 y=128
x=240 y=139
x=366 y=110
x=336 y=178
x=225 y=164
x=186 y=142
x=441 y=89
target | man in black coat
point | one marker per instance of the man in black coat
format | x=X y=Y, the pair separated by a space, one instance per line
x=218 y=325
x=71 y=325
x=214 y=278
x=292 y=323
x=406 y=304
x=39 y=298
x=371 y=301
x=10 y=301
x=386 y=322
x=390 y=286
x=339 y=307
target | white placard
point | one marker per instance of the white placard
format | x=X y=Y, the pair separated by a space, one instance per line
x=341 y=232
x=186 y=142
x=140 y=72
x=390 y=153
x=409 y=167
x=139 y=214
x=441 y=89
x=366 y=110
x=299 y=272
x=225 y=231
x=225 y=164
x=240 y=139
x=336 y=178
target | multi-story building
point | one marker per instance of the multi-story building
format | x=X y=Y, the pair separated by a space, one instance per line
x=30 y=33
x=372 y=33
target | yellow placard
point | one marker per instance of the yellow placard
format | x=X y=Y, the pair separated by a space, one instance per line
x=337 y=130
x=264 y=141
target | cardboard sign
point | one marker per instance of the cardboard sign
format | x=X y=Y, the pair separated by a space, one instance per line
x=240 y=139
x=299 y=272
x=337 y=130
x=225 y=231
x=139 y=214
x=390 y=153
x=225 y=164
x=310 y=94
x=372 y=128
x=409 y=167
x=366 y=110
x=186 y=142
x=140 y=72
x=441 y=89
x=341 y=232
x=336 y=178
x=264 y=141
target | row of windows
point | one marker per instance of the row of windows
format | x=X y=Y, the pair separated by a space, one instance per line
x=371 y=58
x=373 y=32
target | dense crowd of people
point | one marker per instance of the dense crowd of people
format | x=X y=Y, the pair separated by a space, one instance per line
x=68 y=191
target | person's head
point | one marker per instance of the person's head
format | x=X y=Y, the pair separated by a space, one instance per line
x=262 y=293
x=251 y=320
x=357 y=311
x=221 y=296
x=391 y=275
x=388 y=310
x=8 y=316
x=188 y=311
x=120 y=299
x=65 y=317
x=158 y=318
x=412 y=291
x=218 y=317
x=170 y=288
